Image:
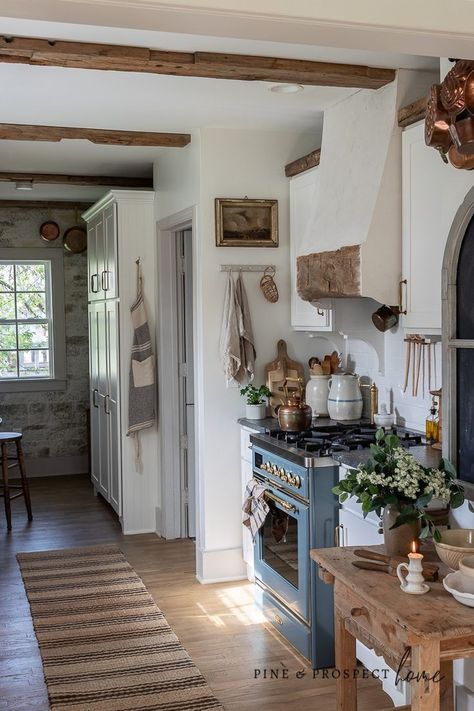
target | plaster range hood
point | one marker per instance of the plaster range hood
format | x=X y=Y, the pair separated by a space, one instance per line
x=352 y=247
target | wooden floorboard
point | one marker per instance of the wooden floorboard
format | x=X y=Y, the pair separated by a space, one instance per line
x=218 y=624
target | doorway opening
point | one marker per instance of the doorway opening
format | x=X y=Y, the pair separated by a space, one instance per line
x=184 y=295
x=176 y=336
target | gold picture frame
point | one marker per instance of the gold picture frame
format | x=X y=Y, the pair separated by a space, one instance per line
x=246 y=223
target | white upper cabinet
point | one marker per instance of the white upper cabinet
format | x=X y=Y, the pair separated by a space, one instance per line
x=102 y=254
x=303 y=189
x=432 y=192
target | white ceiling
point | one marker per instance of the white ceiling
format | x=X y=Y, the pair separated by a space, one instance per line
x=118 y=100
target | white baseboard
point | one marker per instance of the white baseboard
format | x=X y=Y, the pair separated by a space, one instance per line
x=53 y=466
x=220 y=566
x=220 y=580
x=137 y=531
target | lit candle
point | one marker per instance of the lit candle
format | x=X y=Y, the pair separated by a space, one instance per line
x=414 y=555
x=414 y=583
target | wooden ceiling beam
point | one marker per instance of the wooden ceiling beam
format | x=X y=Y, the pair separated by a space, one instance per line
x=59 y=179
x=311 y=160
x=54 y=134
x=412 y=113
x=83 y=55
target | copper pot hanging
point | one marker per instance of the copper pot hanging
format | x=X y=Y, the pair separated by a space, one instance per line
x=437 y=133
x=449 y=124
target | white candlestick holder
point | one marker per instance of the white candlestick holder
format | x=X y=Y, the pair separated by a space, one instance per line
x=414 y=583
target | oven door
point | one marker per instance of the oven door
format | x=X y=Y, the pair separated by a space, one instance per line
x=282 y=551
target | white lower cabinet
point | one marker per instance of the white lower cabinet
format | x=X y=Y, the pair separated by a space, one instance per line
x=246 y=475
x=355 y=530
x=105 y=443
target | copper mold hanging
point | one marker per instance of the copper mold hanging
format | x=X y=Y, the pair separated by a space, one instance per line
x=449 y=123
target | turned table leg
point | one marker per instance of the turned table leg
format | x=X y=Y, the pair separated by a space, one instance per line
x=346 y=689
x=426 y=671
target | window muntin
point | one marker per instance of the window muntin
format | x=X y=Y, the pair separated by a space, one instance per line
x=26 y=320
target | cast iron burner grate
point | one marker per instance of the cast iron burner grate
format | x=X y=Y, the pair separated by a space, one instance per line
x=324 y=440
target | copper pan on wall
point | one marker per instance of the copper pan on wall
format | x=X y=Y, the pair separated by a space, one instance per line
x=449 y=123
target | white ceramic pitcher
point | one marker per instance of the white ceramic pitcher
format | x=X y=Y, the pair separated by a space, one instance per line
x=345 y=398
x=317 y=391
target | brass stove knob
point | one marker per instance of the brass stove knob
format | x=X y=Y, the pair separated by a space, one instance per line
x=275 y=469
x=298 y=481
x=281 y=472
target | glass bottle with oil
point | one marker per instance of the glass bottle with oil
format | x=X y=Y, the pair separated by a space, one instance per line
x=432 y=424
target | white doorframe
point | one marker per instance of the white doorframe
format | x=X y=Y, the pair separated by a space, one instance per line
x=168 y=372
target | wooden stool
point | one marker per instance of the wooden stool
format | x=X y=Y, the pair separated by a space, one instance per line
x=7 y=438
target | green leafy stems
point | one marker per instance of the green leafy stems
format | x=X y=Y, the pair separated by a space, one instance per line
x=255 y=396
x=393 y=476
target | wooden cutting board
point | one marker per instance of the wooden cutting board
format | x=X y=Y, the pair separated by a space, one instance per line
x=278 y=371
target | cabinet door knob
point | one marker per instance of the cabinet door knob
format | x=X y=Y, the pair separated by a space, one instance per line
x=359 y=612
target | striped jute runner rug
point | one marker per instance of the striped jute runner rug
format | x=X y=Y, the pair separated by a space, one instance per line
x=105 y=644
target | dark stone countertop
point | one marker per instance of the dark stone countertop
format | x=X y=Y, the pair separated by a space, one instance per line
x=272 y=423
x=424 y=454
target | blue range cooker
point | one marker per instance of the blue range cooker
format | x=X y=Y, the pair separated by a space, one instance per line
x=298 y=472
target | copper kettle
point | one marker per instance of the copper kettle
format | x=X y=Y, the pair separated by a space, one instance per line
x=295 y=415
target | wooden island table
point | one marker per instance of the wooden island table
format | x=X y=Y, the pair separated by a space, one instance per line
x=423 y=633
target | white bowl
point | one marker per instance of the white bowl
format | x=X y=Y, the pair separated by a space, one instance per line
x=456 y=543
x=460 y=587
x=466 y=566
x=384 y=420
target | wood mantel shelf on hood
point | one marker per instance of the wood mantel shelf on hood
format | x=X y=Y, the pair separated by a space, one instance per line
x=329 y=274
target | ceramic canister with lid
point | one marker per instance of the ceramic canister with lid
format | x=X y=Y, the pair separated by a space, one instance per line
x=345 y=397
x=317 y=391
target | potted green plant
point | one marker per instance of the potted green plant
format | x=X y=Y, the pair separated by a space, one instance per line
x=398 y=488
x=256 y=405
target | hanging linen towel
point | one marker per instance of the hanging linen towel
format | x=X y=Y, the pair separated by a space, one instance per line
x=230 y=334
x=141 y=399
x=246 y=372
x=255 y=508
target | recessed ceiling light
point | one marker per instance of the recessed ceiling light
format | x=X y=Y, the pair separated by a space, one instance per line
x=287 y=88
x=24 y=185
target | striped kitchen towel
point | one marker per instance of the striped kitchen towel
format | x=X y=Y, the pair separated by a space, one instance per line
x=141 y=399
x=255 y=508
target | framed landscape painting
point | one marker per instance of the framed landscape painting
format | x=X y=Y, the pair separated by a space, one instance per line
x=246 y=223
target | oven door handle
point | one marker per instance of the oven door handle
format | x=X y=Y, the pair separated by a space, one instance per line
x=284 y=504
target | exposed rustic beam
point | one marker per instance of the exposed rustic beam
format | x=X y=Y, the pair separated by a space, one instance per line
x=301 y=164
x=46 y=204
x=57 y=179
x=413 y=112
x=84 y=55
x=54 y=134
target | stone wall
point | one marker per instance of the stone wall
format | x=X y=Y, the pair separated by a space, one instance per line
x=54 y=423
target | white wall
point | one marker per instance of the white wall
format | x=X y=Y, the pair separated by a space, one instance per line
x=229 y=163
x=235 y=164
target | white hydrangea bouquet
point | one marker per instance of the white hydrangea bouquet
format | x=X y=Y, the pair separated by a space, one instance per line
x=393 y=476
